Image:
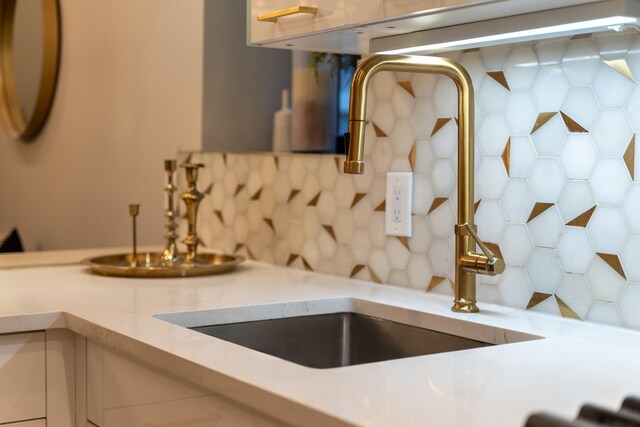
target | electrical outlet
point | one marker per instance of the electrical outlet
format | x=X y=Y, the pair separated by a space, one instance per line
x=398 y=206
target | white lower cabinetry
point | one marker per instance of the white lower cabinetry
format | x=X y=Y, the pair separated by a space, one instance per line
x=125 y=392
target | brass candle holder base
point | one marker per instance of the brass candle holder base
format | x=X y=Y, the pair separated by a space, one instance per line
x=151 y=264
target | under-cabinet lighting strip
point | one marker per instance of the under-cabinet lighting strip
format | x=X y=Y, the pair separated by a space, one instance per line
x=612 y=22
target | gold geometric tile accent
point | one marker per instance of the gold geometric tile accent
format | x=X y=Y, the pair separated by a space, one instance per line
x=337 y=161
x=238 y=247
x=536 y=299
x=440 y=122
x=379 y=132
x=381 y=207
x=582 y=36
x=539 y=208
x=219 y=215
x=471 y=49
x=622 y=67
x=406 y=85
x=269 y=222
x=189 y=157
x=500 y=78
x=239 y=188
x=629 y=157
x=572 y=125
x=256 y=196
x=405 y=241
x=565 y=311
x=306 y=264
x=356 y=269
x=292 y=258
x=224 y=158
x=614 y=262
x=292 y=194
x=356 y=198
x=436 y=203
x=207 y=191
x=412 y=157
x=542 y=119
x=506 y=156
x=374 y=276
x=435 y=281
x=493 y=247
x=332 y=233
x=314 y=201
x=583 y=219
x=476 y=205
x=276 y=160
x=250 y=254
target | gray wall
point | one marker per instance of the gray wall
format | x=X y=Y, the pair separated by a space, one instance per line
x=242 y=85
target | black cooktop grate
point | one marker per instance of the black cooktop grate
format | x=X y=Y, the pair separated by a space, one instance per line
x=590 y=416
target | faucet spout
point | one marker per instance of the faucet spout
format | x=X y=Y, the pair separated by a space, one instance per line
x=468 y=262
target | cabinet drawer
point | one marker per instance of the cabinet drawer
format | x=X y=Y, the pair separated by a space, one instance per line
x=22 y=377
x=330 y=14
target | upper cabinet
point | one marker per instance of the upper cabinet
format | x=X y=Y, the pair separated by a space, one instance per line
x=368 y=26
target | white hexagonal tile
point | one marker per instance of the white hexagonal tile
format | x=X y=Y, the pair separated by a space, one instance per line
x=397 y=254
x=517 y=201
x=267 y=202
x=606 y=285
x=424 y=157
x=442 y=220
x=490 y=221
x=441 y=257
x=608 y=230
x=632 y=108
x=631 y=207
x=610 y=180
x=382 y=157
x=575 y=250
x=612 y=89
x=401 y=138
x=514 y=287
x=550 y=51
x=580 y=62
x=379 y=263
x=521 y=67
x=423 y=84
x=376 y=230
x=491 y=178
x=402 y=102
x=383 y=85
x=254 y=217
x=344 y=226
x=612 y=133
x=628 y=305
x=311 y=253
x=281 y=219
x=523 y=157
x=578 y=156
x=550 y=88
x=295 y=236
x=383 y=116
x=544 y=271
x=311 y=224
x=547 y=180
x=493 y=135
x=521 y=113
x=422 y=195
x=445 y=142
x=445 y=98
x=472 y=62
x=575 y=199
x=548 y=306
x=297 y=170
x=550 y=138
x=345 y=190
x=494 y=57
x=574 y=291
x=604 y=312
x=443 y=177
x=581 y=105
x=516 y=245
x=327 y=207
x=398 y=278
x=613 y=45
x=328 y=173
x=493 y=97
x=419 y=271
x=423 y=117
x=629 y=258
x=421 y=237
x=546 y=228
x=343 y=263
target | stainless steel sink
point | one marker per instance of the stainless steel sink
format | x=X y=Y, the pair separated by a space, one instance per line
x=337 y=339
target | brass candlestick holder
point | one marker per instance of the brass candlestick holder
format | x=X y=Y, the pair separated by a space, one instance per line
x=169 y=263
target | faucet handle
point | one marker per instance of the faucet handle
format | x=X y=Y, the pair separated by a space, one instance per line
x=488 y=263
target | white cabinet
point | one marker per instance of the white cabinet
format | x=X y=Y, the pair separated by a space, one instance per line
x=22 y=377
x=125 y=392
x=350 y=26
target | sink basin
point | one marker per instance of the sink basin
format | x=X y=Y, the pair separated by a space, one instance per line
x=337 y=339
x=339 y=332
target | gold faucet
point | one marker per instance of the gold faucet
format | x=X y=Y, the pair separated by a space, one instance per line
x=468 y=262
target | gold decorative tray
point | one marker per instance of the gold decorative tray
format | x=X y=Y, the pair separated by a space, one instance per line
x=150 y=264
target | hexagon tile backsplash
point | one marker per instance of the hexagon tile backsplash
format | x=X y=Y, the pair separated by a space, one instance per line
x=556 y=189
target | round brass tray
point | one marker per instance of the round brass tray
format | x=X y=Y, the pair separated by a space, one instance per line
x=150 y=265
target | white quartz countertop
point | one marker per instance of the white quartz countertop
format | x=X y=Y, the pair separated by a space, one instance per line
x=576 y=363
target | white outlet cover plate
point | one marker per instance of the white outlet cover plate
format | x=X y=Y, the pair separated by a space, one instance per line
x=398 y=205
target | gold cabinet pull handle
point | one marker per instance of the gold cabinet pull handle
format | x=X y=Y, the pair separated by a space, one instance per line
x=273 y=16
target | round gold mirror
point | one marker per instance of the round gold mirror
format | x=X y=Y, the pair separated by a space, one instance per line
x=29 y=53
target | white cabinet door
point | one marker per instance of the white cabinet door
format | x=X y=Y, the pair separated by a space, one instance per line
x=22 y=377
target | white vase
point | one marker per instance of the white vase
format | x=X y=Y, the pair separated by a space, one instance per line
x=314 y=105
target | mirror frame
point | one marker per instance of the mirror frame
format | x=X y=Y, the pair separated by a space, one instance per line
x=11 y=115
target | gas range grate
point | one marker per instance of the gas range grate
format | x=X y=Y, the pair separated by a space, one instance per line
x=591 y=416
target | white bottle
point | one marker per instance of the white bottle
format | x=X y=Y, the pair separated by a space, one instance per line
x=282 y=126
